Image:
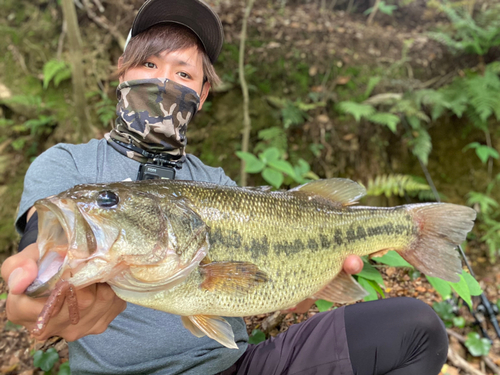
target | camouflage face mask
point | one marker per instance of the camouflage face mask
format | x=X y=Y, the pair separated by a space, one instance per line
x=153 y=115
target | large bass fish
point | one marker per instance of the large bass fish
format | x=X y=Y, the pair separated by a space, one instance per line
x=204 y=251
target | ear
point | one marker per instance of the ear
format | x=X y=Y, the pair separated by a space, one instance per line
x=205 y=89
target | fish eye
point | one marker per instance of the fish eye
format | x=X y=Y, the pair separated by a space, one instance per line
x=107 y=199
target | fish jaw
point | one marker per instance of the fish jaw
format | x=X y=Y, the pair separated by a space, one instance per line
x=64 y=241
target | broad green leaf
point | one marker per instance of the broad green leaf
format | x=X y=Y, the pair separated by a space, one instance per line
x=477 y=345
x=283 y=166
x=256 y=337
x=393 y=259
x=474 y=287
x=459 y=322
x=323 y=305
x=444 y=310
x=372 y=296
x=272 y=176
x=3 y=296
x=64 y=369
x=485 y=152
x=252 y=164
x=462 y=290
x=45 y=360
x=442 y=287
x=371 y=273
x=270 y=154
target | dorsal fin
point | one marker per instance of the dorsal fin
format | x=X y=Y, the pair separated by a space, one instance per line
x=340 y=190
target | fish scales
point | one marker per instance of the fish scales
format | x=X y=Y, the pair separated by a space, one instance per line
x=205 y=251
x=300 y=243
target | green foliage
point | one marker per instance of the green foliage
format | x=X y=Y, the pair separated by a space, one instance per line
x=57 y=71
x=392 y=259
x=369 y=113
x=383 y=8
x=488 y=217
x=477 y=345
x=483 y=152
x=469 y=35
x=45 y=360
x=395 y=185
x=293 y=113
x=257 y=336
x=275 y=169
x=323 y=305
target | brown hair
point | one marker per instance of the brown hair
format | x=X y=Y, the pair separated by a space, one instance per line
x=164 y=37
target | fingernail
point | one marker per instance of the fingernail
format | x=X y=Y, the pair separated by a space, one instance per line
x=15 y=277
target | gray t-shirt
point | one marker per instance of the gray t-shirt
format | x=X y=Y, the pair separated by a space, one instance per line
x=139 y=340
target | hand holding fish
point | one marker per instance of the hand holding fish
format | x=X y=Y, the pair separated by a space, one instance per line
x=98 y=304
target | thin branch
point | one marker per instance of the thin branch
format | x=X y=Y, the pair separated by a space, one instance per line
x=459 y=362
x=489 y=362
x=374 y=11
x=247 y=125
x=104 y=23
x=60 y=43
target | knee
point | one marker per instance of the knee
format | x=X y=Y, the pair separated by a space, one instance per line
x=426 y=323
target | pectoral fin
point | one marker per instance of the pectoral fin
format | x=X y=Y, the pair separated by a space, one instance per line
x=234 y=277
x=215 y=327
x=342 y=289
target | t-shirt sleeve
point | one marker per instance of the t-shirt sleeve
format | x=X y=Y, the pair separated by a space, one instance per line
x=53 y=172
x=225 y=180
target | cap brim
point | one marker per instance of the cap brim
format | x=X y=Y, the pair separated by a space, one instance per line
x=194 y=14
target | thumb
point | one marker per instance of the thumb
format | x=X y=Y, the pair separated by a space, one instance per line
x=21 y=277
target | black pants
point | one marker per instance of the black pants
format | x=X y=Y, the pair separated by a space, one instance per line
x=396 y=336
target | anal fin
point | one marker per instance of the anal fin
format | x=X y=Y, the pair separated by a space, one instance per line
x=342 y=289
x=215 y=327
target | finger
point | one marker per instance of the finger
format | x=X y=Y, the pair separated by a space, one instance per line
x=23 y=310
x=21 y=277
x=353 y=264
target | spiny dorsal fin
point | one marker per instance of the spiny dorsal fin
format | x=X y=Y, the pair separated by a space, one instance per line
x=231 y=276
x=340 y=190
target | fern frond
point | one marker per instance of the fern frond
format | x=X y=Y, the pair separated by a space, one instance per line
x=387 y=119
x=421 y=145
x=356 y=109
x=395 y=185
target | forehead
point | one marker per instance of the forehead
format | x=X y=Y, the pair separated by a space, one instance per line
x=190 y=56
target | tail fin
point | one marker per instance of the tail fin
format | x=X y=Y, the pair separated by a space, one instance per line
x=441 y=228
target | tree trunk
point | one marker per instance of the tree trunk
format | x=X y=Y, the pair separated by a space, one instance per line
x=82 y=129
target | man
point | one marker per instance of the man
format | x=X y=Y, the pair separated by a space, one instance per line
x=169 y=59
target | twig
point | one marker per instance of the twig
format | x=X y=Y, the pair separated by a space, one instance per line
x=60 y=43
x=462 y=363
x=374 y=11
x=244 y=88
x=104 y=23
x=487 y=360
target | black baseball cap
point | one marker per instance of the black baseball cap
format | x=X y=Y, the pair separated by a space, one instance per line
x=193 y=14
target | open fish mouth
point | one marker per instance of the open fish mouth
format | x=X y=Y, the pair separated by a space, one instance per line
x=63 y=237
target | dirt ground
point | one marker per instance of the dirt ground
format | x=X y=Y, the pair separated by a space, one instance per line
x=17 y=348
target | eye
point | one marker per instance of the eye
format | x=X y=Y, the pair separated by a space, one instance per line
x=184 y=75
x=107 y=199
x=150 y=65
